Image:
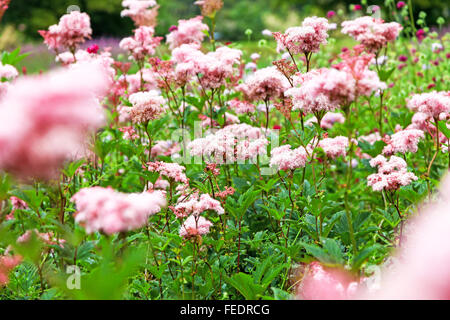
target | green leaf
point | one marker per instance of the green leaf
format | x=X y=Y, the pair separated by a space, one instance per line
x=443 y=128
x=334 y=251
x=386 y=74
x=363 y=256
x=14 y=57
x=246 y=286
x=280 y=294
x=72 y=167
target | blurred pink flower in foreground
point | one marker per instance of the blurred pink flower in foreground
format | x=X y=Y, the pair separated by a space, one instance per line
x=420 y=270
x=7 y=264
x=110 y=211
x=322 y=283
x=43 y=119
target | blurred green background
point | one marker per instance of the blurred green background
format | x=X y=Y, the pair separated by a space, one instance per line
x=28 y=16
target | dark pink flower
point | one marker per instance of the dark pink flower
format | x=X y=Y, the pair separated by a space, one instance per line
x=400 y=4
x=93 y=49
x=330 y=14
x=420 y=34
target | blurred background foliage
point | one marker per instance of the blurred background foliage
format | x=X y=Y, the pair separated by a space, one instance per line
x=27 y=16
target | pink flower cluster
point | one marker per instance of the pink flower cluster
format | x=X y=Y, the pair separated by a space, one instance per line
x=241 y=107
x=392 y=174
x=334 y=147
x=304 y=39
x=285 y=158
x=129 y=133
x=7 y=264
x=212 y=69
x=190 y=31
x=322 y=90
x=17 y=204
x=172 y=171
x=71 y=31
x=142 y=12
x=371 y=138
x=372 y=33
x=147 y=106
x=197 y=205
x=356 y=63
x=328 y=120
x=195 y=226
x=44 y=119
x=47 y=238
x=110 y=211
x=237 y=142
x=403 y=141
x=142 y=44
x=433 y=104
x=165 y=148
x=265 y=84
